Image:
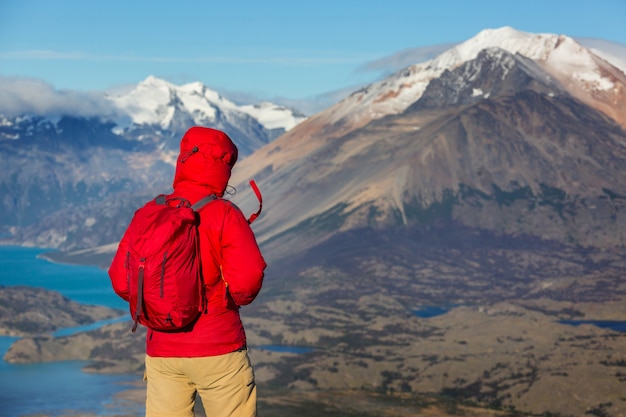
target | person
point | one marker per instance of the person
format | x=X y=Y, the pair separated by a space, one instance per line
x=209 y=358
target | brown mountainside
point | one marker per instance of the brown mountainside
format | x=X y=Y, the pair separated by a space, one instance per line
x=496 y=133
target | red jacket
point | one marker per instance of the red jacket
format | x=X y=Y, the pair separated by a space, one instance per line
x=232 y=264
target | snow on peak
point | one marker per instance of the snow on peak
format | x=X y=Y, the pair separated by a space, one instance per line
x=273 y=116
x=153 y=82
x=394 y=94
x=148 y=103
x=155 y=101
x=569 y=57
x=534 y=46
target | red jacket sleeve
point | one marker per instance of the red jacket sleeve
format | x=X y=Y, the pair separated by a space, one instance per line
x=118 y=272
x=243 y=265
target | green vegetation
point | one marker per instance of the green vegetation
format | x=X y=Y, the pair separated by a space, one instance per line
x=328 y=221
x=507 y=198
x=416 y=211
x=555 y=198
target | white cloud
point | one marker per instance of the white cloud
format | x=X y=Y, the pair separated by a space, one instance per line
x=31 y=96
x=405 y=58
x=269 y=59
x=382 y=67
x=42 y=54
x=307 y=106
x=613 y=52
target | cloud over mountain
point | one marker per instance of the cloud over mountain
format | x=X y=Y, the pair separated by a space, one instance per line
x=20 y=95
x=405 y=58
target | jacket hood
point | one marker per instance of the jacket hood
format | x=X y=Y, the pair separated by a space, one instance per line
x=205 y=161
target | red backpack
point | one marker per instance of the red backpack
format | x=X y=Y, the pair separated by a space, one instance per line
x=162 y=262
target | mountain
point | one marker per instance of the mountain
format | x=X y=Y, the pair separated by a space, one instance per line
x=559 y=56
x=492 y=174
x=66 y=177
x=502 y=118
x=164 y=106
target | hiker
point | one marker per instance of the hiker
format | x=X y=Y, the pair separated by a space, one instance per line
x=208 y=357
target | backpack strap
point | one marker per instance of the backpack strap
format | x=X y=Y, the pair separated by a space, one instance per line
x=196 y=208
x=202 y=202
x=162 y=199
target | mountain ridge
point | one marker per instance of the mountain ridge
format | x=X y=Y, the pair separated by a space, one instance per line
x=395 y=93
x=479 y=101
x=299 y=159
x=156 y=102
x=107 y=163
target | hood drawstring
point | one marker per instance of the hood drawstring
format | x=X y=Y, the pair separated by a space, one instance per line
x=184 y=157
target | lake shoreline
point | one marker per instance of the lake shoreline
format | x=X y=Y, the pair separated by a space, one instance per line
x=87 y=257
x=80 y=295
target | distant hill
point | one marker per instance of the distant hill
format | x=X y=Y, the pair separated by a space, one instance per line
x=27 y=311
x=71 y=181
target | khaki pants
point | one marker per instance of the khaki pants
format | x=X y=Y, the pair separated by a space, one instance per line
x=225 y=384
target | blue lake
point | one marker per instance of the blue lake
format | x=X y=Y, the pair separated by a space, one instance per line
x=284 y=349
x=58 y=388
x=430 y=311
x=618 y=326
x=84 y=284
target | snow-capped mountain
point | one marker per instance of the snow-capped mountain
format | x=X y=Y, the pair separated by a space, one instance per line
x=585 y=75
x=158 y=103
x=560 y=56
x=155 y=102
x=312 y=171
x=57 y=162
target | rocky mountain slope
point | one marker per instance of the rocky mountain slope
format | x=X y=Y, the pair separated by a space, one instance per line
x=476 y=178
x=494 y=142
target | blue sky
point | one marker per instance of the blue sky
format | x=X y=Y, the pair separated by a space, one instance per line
x=272 y=48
